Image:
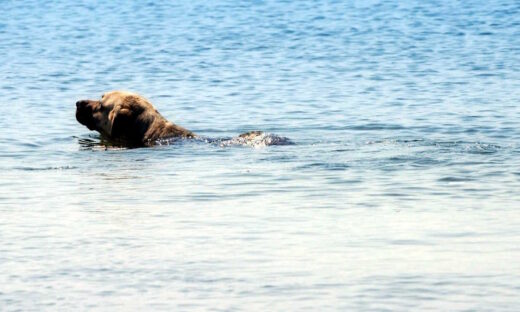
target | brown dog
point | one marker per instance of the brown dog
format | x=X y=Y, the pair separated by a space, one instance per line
x=130 y=119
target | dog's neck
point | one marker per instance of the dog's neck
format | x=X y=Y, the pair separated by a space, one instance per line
x=161 y=128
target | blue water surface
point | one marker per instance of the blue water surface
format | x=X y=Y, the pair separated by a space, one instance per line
x=401 y=192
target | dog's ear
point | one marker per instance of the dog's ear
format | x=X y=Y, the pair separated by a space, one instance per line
x=123 y=120
x=128 y=123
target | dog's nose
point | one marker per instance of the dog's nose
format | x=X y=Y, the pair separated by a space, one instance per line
x=80 y=103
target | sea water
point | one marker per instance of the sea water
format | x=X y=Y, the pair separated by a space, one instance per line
x=401 y=191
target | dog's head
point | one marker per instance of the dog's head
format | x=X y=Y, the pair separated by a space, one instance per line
x=117 y=115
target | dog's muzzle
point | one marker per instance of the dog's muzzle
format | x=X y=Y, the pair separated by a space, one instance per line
x=84 y=114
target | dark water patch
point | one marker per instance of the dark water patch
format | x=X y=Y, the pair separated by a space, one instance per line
x=324 y=166
x=399 y=141
x=455 y=179
x=395 y=194
x=62 y=139
x=489 y=75
x=344 y=150
x=338 y=181
x=468 y=163
x=28 y=145
x=283 y=158
x=48 y=168
x=495 y=173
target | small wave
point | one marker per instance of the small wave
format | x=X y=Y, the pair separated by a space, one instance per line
x=482 y=148
x=376 y=126
x=410 y=141
x=257 y=141
x=325 y=166
x=171 y=141
x=49 y=168
x=455 y=179
x=447 y=146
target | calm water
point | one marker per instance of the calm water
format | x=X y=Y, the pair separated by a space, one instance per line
x=401 y=193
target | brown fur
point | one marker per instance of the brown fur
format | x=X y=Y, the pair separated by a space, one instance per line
x=128 y=118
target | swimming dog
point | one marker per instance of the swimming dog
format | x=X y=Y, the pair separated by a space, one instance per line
x=130 y=119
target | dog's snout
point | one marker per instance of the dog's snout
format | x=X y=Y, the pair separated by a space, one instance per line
x=84 y=113
x=81 y=103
